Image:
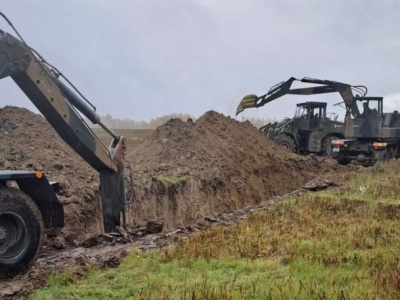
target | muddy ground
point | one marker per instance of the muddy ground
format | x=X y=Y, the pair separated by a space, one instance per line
x=187 y=176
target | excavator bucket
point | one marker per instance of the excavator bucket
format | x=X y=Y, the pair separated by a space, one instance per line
x=248 y=101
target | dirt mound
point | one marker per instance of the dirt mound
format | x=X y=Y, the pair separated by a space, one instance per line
x=184 y=172
x=217 y=146
x=28 y=142
x=216 y=164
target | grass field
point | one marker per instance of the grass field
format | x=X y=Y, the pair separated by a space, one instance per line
x=338 y=244
x=130 y=134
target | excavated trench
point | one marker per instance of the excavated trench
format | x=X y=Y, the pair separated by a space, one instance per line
x=183 y=174
x=108 y=250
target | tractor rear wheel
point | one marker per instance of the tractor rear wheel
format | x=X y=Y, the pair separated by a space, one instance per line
x=326 y=145
x=286 y=142
x=389 y=154
x=21 y=231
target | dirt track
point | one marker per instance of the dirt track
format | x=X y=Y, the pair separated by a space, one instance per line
x=183 y=173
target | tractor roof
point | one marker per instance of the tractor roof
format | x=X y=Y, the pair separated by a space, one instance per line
x=312 y=104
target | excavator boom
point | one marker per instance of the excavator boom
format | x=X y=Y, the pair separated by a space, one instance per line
x=25 y=211
x=323 y=87
x=60 y=105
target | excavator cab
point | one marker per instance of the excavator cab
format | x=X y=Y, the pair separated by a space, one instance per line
x=371 y=135
x=365 y=118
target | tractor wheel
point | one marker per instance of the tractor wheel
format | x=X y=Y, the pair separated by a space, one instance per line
x=326 y=145
x=286 y=142
x=343 y=161
x=388 y=155
x=21 y=231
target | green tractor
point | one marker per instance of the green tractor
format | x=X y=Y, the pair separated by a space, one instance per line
x=311 y=130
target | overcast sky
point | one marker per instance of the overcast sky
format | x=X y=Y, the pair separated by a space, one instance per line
x=140 y=59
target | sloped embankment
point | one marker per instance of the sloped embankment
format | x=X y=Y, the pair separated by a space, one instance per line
x=187 y=170
x=184 y=171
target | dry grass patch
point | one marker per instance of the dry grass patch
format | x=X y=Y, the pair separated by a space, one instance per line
x=340 y=244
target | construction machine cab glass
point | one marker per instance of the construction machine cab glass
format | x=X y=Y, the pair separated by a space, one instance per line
x=313 y=112
x=365 y=117
x=365 y=107
x=369 y=108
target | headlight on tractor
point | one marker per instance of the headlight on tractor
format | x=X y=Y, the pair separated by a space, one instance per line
x=337 y=143
x=379 y=146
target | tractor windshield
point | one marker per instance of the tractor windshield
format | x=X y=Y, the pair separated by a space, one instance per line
x=301 y=111
x=368 y=107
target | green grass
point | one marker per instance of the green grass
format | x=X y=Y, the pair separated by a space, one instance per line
x=339 y=244
x=167 y=180
x=130 y=134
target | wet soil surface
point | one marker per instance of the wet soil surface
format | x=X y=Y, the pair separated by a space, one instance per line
x=188 y=176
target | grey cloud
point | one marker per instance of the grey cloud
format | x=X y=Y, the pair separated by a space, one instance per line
x=142 y=59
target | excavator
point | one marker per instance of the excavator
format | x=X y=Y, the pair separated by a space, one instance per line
x=370 y=136
x=310 y=131
x=283 y=88
x=28 y=200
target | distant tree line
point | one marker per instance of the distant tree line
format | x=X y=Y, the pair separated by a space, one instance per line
x=259 y=122
x=116 y=123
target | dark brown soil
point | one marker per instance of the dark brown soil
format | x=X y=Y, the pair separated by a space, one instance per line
x=188 y=170
x=184 y=172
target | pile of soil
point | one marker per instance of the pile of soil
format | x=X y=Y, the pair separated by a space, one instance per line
x=187 y=170
x=28 y=142
x=183 y=172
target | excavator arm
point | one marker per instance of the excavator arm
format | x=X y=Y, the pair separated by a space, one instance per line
x=323 y=87
x=60 y=105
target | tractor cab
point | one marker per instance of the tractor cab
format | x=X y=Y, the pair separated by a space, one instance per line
x=310 y=115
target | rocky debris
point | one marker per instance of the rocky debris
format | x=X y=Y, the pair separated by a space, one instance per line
x=59 y=243
x=154 y=226
x=319 y=184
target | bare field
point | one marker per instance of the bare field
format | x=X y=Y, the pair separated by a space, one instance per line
x=130 y=134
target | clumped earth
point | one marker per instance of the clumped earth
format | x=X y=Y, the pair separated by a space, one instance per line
x=183 y=173
x=187 y=170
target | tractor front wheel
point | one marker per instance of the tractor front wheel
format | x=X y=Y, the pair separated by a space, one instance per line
x=21 y=231
x=326 y=145
x=286 y=142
